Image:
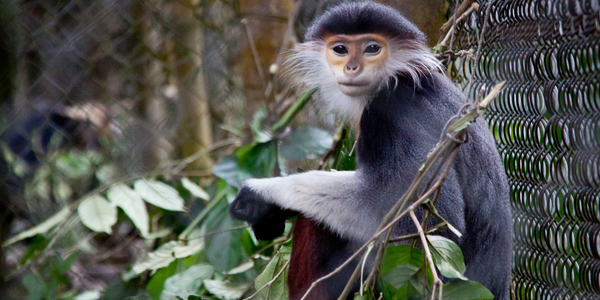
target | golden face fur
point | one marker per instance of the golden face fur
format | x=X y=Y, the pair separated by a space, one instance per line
x=355 y=60
x=348 y=70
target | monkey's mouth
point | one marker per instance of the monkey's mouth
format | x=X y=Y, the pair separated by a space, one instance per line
x=354 y=83
x=354 y=88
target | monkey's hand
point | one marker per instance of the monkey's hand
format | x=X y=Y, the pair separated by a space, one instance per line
x=267 y=220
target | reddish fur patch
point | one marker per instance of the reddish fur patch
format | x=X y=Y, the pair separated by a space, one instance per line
x=303 y=263
x=315 y=253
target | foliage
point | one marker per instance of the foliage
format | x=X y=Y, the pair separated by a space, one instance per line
x=213 y=256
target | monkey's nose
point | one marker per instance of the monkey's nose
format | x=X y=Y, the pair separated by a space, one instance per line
x=352 y=69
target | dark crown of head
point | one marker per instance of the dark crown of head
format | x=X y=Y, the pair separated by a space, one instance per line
x=363 y=17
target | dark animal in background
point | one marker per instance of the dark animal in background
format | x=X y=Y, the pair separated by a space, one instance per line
x=29 y=138
x=372 y=66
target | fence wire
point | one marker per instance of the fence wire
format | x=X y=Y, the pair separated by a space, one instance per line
x=547 y=126
x=95 y=92
x=124 y=79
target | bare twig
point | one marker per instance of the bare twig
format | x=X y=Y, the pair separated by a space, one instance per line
x=436 y=280
x=459 y=11
x=250 y=37
x=416 y=235
x=385 y=227
x=451 y=32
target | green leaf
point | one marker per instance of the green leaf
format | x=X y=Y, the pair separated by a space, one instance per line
x=195 y=189
x=296 y=107
x=278 y=289
x=97 y=214
x=400 y=275
x=34 y=286
x=61 y=189
x=43 y=227
x=256 y=161
x=157 y=281
x=399 y=255
x=402 y=270
x=241 y=268
x=190 y=248
x=447 y=256
x=306 y=142
x=367 y=295
x=225 y=290
x=186 y=283
x=106 y=174
x=160 y=258
x=132 y=204
x=75 y=164
x=227 y=170
x=159 y=194
x=224 y=250
x=400 y=263
x=465 y=290
x=37 y=245
x=258 y=122
x=88 y=295
x=408 y=291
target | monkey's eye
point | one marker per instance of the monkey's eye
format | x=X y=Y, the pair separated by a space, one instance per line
x=372 y=49
x=340 y=49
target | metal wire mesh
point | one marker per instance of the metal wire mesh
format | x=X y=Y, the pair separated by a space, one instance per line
x=123 y=78
x=547 y=126
x=95 y=92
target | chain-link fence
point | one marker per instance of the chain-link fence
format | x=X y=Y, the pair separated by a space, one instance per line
x=92 y=92
x=547 y=125
x=126 y=79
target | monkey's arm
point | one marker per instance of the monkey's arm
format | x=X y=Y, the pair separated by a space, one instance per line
x=337 y=199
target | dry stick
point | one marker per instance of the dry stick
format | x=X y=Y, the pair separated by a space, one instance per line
x=450 y=35
x=398 y=208
x=438 y=150
x=448 y=160
x=436 y=279
x=385 y=228
x=289 y=31
x=176 y=167
x=453 y=29
x=261 y=74
x=459 y=11
x=288 y=37
x=388 y=226
x=363 y=247
x=474 y=7
x=416 y=235
x=435 y=188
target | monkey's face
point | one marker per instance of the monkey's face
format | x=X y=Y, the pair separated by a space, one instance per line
x=356 y=61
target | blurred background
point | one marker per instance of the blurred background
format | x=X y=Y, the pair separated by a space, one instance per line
x=97 y=96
